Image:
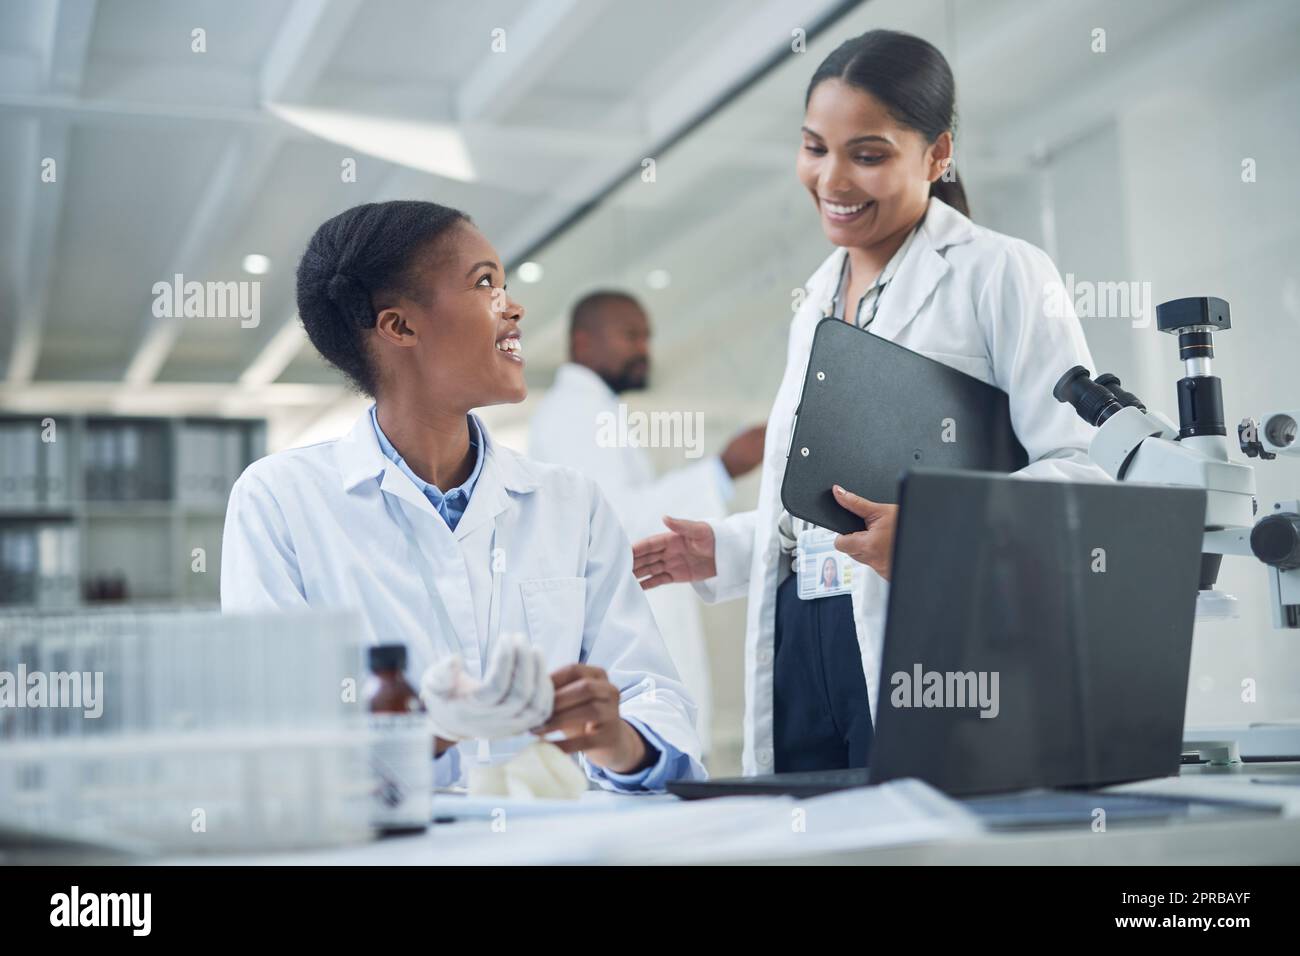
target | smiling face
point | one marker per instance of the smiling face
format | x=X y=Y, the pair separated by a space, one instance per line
x=869 y=177
x=455 y=338
x=829 y=572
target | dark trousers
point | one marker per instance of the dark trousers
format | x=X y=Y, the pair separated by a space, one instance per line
x=821 y=719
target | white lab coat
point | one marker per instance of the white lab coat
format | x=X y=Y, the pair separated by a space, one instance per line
x=338 y=525
x=965 y=296
x=564 y=430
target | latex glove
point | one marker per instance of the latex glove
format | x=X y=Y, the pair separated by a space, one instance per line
x=515 y=696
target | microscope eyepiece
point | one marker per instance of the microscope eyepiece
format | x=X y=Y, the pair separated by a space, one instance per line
x=1112 y=384
x=1094 y=402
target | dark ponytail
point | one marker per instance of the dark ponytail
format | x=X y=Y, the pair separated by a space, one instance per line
x=914 y=82
x=354 y=260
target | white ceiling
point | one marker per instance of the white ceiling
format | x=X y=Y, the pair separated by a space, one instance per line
x=174 y=161
x=728 y=221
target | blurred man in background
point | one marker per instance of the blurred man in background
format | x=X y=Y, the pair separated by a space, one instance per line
x=609 y=354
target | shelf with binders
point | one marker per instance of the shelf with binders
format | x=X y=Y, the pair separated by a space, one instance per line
x=126 y=460
x=131 y=499
x=39 y=533
x=39 y=561
x=35 y=467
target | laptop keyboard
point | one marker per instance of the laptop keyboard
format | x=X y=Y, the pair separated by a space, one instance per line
x=809 y=783
x=832 y=779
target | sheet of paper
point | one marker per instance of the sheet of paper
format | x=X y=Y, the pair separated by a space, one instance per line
x=638 y=830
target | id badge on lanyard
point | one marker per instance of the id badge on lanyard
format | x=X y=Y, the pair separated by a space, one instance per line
x=823 y=571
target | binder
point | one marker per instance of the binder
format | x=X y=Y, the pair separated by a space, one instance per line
x=54 y=470
x=870 y=409
x=28 y=440
x=8 y=468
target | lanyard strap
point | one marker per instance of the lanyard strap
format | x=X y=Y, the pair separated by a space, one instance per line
x=483 y=753
x=494 y=603
x=879 y=289
x=445 y=624
x=838 y=306
x=839 y=302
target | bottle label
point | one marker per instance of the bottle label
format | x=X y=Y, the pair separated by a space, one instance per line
x=401 y=770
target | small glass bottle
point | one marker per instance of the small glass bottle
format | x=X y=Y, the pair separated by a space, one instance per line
x=401 y=749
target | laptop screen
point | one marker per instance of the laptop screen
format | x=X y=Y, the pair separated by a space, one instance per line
x=1039 y=632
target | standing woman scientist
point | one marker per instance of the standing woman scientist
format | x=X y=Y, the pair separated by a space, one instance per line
x=509 y=581
x=911 y=267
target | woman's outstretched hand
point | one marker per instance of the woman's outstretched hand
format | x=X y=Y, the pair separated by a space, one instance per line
x=684 y=553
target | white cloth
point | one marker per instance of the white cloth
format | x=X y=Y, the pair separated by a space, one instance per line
x=966 y=296
x=338 y=525
x=564 y=430
x=541 y=771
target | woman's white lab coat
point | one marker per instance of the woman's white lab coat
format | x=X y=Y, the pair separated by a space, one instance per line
x=338 y=525
x=564 y=429
x=965 y=296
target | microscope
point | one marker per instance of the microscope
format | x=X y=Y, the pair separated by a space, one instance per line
x=1133 y=443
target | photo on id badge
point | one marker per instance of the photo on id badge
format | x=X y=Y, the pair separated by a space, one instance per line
x=823 y=571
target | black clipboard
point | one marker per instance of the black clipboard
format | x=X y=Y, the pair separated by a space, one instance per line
x=871 y=409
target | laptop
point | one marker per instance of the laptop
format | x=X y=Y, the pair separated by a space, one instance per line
x=1038 y=636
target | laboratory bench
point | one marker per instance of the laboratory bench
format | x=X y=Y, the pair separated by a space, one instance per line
x=1265 y=840
x=609 y=828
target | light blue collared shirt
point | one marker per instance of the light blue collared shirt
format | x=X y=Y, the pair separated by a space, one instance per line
x=452 y=504
x=672 y=763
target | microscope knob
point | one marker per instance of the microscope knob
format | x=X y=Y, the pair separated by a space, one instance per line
x=1276 y=540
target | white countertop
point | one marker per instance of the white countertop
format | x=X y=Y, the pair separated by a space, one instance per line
x=609 y=828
